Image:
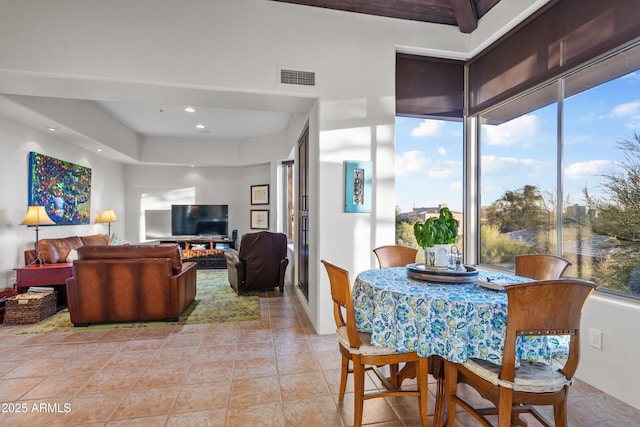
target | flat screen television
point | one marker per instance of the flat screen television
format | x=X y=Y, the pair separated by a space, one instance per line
x=200 y=220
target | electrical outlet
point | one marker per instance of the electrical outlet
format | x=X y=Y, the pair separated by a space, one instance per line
x=595 y=338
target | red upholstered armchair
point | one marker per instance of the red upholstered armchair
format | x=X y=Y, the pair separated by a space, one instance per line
x=260 y=263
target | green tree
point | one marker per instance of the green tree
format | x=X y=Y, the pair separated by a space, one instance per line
x=619 y=212
x=617 y=215
x=404 y=234
x=522 y=209
x=498 y=249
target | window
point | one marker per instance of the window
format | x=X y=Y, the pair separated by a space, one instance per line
x=560 y=174
x=428 y=173
x=602 y=191
x=518 y=164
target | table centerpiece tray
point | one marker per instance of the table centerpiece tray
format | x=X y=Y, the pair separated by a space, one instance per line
x=419 y=271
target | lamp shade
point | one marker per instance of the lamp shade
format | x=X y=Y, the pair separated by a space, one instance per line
x=36 y=215
x=108 y=216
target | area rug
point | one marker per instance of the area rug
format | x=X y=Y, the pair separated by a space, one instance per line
x=215 y=302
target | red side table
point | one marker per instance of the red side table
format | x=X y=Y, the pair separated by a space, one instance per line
x=45 y=275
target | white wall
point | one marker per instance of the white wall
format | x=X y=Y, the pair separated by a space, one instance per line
x=255 y=161
x=613 y=369
x=217 y=185
x=137 y=51
x=16 y=141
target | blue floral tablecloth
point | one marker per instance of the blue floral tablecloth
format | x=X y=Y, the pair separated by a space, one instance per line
x=455 y=321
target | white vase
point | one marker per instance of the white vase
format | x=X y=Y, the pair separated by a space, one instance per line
x=437 y=255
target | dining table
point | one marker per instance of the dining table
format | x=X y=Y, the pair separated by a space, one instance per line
x=455 y=321
x=447 y=319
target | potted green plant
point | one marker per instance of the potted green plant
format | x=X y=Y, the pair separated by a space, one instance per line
x=435 y=235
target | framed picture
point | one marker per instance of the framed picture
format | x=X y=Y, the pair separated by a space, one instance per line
x=357 y=192
x=260 y=194
x=260 y=219
x=62 y=187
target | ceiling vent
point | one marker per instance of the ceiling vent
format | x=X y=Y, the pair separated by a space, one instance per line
x=297 y=77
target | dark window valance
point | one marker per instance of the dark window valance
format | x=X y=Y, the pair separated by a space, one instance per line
x=552 y=42
x=429 y=87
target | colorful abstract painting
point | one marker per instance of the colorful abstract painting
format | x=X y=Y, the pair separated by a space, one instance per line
x=63 y=188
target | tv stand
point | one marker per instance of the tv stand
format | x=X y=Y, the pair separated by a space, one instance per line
x=208 y=252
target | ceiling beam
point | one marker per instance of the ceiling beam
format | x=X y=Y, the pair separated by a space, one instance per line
x=466 y=16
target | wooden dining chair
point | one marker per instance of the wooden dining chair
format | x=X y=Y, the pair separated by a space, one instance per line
x=356 y=348
x=541 y=267
x=550 y=307
x=395 y=255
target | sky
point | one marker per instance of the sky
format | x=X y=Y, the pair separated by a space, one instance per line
x=428 y=163
x=521 y=151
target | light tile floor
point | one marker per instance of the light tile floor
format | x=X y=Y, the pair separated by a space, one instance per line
x=272 y=372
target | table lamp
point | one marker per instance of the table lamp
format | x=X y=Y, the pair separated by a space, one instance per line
x=108 y=216
x=37 y=215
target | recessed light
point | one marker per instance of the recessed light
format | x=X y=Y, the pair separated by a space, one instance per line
x=98 y=149
x=50 y=129
x=200 y=126
x=190 y=110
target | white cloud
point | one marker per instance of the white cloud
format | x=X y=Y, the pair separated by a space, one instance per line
x=442 y=151
x=455 y=186
x=445 y=170
x=428 y=127
x=514 y=131
x=629 y=109
x=409 y=162
x=440 y=172
x=507 y=164
x=588 y=168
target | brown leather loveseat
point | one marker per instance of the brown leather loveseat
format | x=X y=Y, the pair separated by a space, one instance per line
x=129 y=283
x=54 y=251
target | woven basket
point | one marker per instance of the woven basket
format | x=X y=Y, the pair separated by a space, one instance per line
x=29 y=308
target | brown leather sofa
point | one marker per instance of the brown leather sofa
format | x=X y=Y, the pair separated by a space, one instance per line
x=129 y=283
x=57 y=250
x=260 y=263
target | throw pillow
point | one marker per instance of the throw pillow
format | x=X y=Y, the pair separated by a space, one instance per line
x=117 y=241
x=73 y=255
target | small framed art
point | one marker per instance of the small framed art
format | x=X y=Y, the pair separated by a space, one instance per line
x=259 y=219
x=357 y=186
x=260 y=194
